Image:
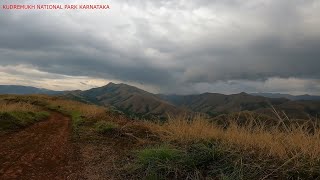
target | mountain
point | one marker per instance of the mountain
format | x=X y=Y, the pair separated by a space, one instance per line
x=214 y=103
x=126 y=98
x=130 y=99
x=289 y=96
x=139 y=103
x=16 y=89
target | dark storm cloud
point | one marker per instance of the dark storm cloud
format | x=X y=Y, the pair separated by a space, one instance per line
x=57 y=49
x=171 y=44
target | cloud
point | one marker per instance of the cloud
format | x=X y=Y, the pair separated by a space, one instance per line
x=29 y=76
x=176 y=46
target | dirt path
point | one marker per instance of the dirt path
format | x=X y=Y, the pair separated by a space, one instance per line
x=41 y=151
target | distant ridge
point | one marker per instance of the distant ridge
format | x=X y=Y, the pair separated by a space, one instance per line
x=140 y=103
x=131 y=99
x=17 y=89
x=215 y=103
x=289 y=96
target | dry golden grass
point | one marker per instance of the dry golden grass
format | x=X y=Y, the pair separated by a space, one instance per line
x=23 y=103
x=19 y=106
x=294 y=142
x=89 y=111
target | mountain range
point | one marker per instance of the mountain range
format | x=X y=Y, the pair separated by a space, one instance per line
x=16 y=89
x=134 y=101
x=214 y=103
x=289 y=96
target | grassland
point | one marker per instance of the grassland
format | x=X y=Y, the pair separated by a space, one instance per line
x=250 y=151
x=198 y=148
x=34 y=103
x=18 y=115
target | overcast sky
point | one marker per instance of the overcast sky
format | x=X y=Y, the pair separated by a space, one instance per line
x=166 y=46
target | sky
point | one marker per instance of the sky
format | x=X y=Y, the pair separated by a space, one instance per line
x=165 y=46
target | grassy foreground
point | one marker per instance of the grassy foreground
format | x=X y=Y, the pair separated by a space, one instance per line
x=181 y=148
x=18 y=115
x=246 y=151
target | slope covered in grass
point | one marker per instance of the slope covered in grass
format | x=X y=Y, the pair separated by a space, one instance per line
x=252 y=150
x=15 y=115
x=236 y=146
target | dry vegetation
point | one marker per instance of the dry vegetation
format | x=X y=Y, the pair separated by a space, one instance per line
x=296 y=141
x=199 y=148
x=20 y=106
x=87 y=110
x=16 y=114
x=290 y=148
x=34 y=102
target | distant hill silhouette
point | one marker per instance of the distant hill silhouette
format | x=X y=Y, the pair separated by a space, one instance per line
x=288 y=96
x=134 y=101
x=16 y=89
x=214 y=103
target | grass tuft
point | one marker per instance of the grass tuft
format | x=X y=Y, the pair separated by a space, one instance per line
x=77 y=120
x=105 y=127
x=158 y=162
x=165 y=162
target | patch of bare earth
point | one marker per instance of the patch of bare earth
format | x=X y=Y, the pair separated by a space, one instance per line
x=41 y=151
x=108 y=156
x=50 y=150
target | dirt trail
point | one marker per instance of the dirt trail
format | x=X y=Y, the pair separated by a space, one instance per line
x=41 y=151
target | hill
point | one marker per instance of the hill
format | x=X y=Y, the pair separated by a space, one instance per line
x=16 y=89
x=126 y=98
x=214 y=103
x=132 y=100
x=289 y=96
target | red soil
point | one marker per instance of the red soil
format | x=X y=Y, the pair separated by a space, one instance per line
x=41 y=151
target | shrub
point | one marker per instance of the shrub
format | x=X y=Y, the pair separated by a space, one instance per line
x=105 y=127
x=158 y=162
x=194 y=162
x=77 y=120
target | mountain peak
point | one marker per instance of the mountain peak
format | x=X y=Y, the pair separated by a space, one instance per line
x=110 y=84
x=115 y=84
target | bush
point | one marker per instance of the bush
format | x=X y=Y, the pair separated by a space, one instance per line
x=158 y=162
x=195 y=162
x=77 y=120
x=105 y=127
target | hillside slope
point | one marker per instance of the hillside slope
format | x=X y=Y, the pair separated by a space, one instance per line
x=214 y=103
x=126 y=98
x=130 y=99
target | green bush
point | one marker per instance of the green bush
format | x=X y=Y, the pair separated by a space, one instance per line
x=105 y=127
x=158 y=162
x=195 y=162
x=77 y=120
